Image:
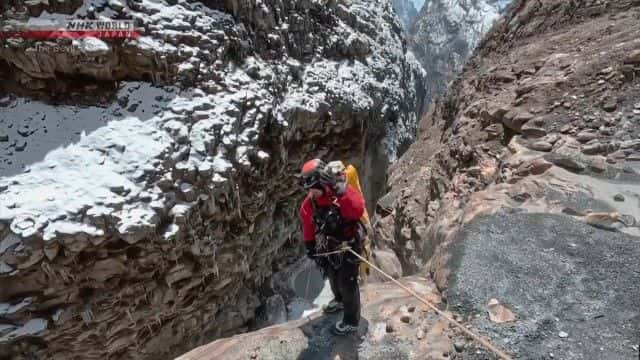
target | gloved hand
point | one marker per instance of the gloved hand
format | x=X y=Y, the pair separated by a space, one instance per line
x=311 y=249
x=356 y=245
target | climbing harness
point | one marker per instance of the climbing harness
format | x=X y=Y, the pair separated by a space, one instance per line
x=330 y=225
x=338 y=176
x=484 y=342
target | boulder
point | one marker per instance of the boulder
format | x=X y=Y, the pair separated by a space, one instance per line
x=516 y=118
x=529 y=131
x=633 y=57
x=541 y=146
x=567 y=162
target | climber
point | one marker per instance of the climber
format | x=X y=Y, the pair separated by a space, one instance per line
x=332 y=210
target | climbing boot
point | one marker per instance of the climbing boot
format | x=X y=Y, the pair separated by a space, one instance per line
x=342 y=328
x=332 y=307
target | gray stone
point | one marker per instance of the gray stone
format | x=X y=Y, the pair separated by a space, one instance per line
x=525 y=89
x=23 y=131
x=598 y=165
x=633 y=57
x=21 y=145
x=515 y=119
x=630 y=144
x=529 y=130
x=494 y=131
x=497 y=112
x=586 y=136
x=608 y=131
x=552 y=138
x=610 y=105
x=566 y=129
x=566 y=162
x=541 y=146
x=593 y=149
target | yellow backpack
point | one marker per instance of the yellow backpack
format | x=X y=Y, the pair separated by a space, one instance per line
x=350 y=175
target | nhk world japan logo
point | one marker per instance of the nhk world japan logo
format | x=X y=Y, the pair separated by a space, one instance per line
x=69 y=29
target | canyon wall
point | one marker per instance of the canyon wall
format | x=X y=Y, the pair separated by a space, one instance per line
x=147 y=191
x=518 y=204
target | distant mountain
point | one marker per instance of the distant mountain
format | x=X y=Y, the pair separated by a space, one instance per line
x=445 y=33
x=406 y=11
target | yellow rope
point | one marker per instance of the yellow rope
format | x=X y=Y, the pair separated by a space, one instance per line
x=500 y=353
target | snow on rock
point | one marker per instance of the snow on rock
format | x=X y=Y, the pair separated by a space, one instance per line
x=445 y=33
x=92 y=46
x=156 y=173
x=406 y=10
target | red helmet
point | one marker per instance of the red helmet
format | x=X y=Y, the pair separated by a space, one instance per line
x=314 y=174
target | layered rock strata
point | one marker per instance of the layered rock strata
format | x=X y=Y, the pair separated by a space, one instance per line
x=519 y=199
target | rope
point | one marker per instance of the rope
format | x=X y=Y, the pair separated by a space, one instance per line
x=339 y=251
x=306 y=289
x=500 y=353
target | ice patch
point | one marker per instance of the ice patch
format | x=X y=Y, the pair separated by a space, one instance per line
x=8 y=309
x=32 y=327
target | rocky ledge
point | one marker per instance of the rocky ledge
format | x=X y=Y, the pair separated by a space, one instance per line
x=396 y=326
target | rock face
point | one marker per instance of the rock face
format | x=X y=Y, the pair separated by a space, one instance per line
x=511 y=186
x=406 y=12
x=445 y=33
x=396 y=327
x=508 y=206
x=147 y=220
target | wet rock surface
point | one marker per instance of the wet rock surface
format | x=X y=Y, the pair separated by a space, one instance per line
x=146 y=195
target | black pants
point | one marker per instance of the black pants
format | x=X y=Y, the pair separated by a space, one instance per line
x=345 y=288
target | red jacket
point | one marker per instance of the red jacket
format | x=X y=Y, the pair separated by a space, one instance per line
x=351 y=205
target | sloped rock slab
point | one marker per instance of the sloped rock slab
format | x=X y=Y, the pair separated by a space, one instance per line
x=559 y=276
x=382 y=333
